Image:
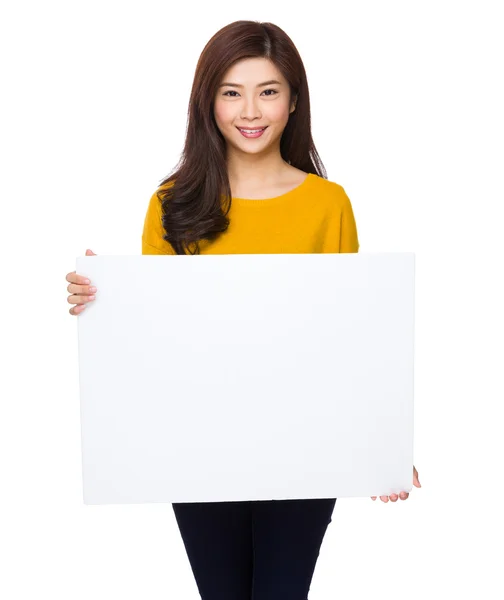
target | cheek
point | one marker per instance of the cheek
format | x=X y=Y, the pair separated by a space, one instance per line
x=278 y=112
x=221 y=113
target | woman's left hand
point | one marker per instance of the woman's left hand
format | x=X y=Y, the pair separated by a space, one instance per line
x=402 y=495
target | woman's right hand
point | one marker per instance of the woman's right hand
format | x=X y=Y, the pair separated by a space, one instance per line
x=81 y=291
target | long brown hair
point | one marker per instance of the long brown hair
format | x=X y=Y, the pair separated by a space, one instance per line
x=191 y=197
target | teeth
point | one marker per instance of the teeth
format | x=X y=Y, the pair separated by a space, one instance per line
x=252 y=130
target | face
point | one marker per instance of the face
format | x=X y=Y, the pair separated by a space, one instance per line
x=248 y=99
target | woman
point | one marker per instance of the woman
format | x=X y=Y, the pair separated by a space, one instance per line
x=249 y=181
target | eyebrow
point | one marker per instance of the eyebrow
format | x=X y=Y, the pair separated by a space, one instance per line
x=270 y=82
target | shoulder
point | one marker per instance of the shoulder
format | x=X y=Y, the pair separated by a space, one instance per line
x=330 y=192
x=341 y=213
x=157 y=197
x=164 y=187
x=153 y=241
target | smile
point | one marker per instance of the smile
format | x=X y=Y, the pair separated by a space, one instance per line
x=252 y=133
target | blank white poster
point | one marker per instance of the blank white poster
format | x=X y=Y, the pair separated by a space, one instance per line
x=246 y=377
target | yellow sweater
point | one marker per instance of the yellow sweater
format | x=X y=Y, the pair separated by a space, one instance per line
x=314 y=217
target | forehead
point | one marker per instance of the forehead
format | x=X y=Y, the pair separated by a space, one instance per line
x=252 y=70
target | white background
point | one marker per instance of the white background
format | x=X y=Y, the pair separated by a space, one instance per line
x=407 y=115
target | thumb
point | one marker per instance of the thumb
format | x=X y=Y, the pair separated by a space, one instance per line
x=90 y=253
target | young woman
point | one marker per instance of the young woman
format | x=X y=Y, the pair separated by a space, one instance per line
x=249 y=181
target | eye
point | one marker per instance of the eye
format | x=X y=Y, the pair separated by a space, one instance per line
x=235 y=92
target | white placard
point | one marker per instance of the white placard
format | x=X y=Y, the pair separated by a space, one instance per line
x=246 y=377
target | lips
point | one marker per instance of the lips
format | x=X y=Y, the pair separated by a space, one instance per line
x=252 y=133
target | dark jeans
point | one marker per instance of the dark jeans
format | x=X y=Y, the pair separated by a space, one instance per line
x=254 y=550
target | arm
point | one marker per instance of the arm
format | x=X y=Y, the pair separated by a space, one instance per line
x=349 y=240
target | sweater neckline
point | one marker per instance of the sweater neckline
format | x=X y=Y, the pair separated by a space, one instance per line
x=276 y=199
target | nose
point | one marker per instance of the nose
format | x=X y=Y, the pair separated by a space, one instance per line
x=250 y=110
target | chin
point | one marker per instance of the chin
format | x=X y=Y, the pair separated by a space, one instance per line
x=252 y=151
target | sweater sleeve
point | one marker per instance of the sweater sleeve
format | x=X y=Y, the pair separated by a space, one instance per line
x=153 y=231
x=349 y=240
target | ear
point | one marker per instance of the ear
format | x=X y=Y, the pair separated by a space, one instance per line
x=293 y=104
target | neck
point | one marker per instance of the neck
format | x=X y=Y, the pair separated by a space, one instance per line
x=265 y=168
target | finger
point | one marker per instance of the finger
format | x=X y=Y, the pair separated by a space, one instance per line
x=75 y=288
x=373 y=497
x=416 y=481
x=404 y=495
x=394 y=497
x=74 y=277
x=384 y=498
x=76 y=310
x=78 y=299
